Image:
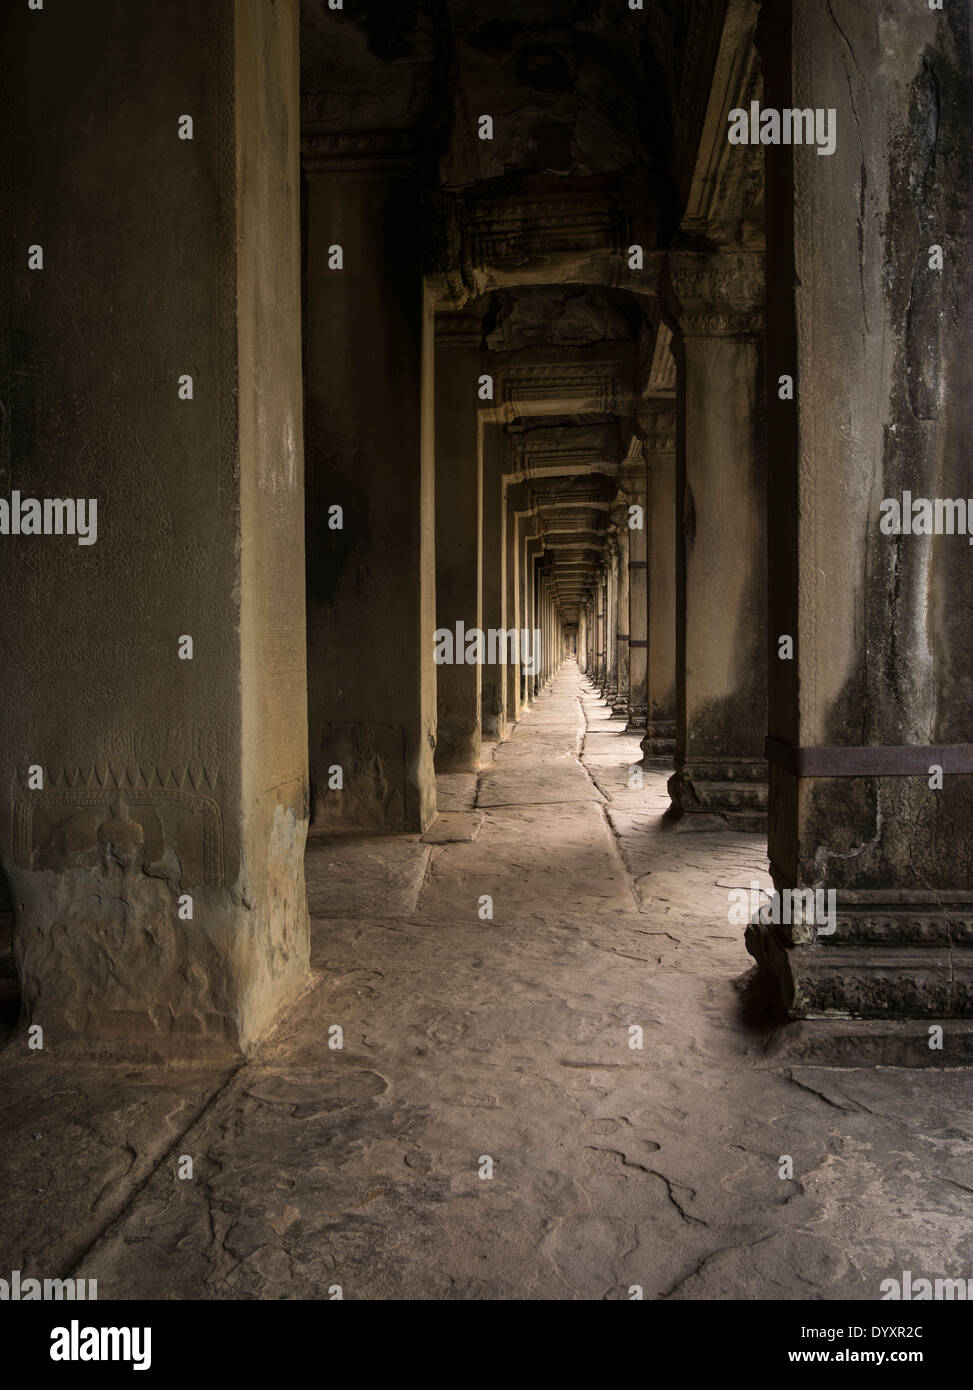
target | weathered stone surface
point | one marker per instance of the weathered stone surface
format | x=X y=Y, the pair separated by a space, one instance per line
x=464 y=1038
x=883 y=361
x=78 y=1144
x=363 y=874
x=453 y=827
x=528 y=273
x=163 y=778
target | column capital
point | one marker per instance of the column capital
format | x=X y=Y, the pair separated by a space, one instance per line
x=458 y=329
x=387 y=152
x=658 y=426
x=717 y=294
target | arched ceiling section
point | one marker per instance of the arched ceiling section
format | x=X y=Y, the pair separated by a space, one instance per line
x=596 y=114
x=574 y=90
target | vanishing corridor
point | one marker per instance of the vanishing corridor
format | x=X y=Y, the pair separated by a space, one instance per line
x=506 y=1039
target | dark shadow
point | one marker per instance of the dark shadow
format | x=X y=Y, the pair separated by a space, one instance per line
x=760 y=1011
x=9 y=986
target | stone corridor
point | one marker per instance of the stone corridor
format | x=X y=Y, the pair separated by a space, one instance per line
x=468 y=1038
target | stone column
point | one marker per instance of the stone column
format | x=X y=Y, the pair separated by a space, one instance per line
x=371 y=582
x=513 y=552
x=542 y=615
x=598 y=625
x=604 y=620
x=659 y=447
x=593 y=627
x=493 y=675
x=638 y=615
x=870 y=653
x=153 y=719
x=534 y=549
x=721 y=593
x=611 y=621
x=603 y=605
x=620 y=705
x=458 y=536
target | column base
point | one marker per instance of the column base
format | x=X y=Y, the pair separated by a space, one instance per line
x=492 y=711
x=884 y=960
x=732 y=792
x=636 y=720
x=860 y=1042
x=660 y=738
x=457 y=749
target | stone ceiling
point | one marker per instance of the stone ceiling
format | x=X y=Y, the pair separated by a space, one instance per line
x=591 y=104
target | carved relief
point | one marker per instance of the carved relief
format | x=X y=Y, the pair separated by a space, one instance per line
x=722 y=293
x=178 y=834
x=372 y=760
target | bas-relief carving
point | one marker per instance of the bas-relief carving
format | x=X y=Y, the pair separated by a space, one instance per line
x=162 y=832
x=175 y=759
x=102 y=951
x=372 y=759
x=719 y=293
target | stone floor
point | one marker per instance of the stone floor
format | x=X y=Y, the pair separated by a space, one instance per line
x=474 y=1043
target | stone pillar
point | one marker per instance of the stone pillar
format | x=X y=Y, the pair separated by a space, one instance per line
x=638 y=615
x=153 y=719
x=611 y=620
x=593 y=625
x=620 y=705
x=554 y=629
x=659 y=447
x=513 y=552
x=542 y=618
x=372 y=691
x=545 y=627
x=605 y=627
x=493 y=675
x=602 y=678
x=721 y=593
x=533 y=552
x=458 y=536
x=875 y=695
x=598 y=618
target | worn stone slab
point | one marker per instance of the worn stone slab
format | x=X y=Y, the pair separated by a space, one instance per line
x=612 y=747
x=537 y=782
x=456 y=791
x=78 y=1141
x=453 y=827
x=518 y=862
x=361 y=875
